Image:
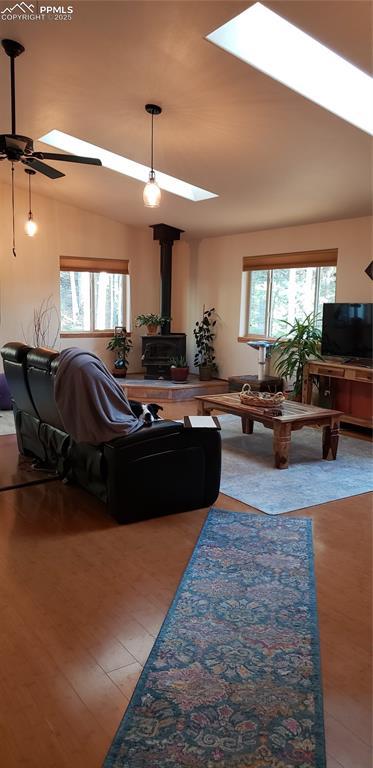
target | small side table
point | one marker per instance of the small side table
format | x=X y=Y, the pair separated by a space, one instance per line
x=268 y=384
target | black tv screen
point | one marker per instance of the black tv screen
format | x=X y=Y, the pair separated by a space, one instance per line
x=347 y=330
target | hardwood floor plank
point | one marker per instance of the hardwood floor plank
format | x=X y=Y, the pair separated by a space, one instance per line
x=15 y=469
x=345 y=747
x=98 y=692
x=126 y=678
x=351 y=713
x=332 y=763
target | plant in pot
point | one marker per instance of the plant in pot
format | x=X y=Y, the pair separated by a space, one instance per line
x=179 y=369
x=152 y=322
x=121 y=344
x=301 y=342
x=204 y=335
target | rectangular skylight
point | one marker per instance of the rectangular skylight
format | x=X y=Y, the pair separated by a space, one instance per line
x=271 y=44
x=64 y=141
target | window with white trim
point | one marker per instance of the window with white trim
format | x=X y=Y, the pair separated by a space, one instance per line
x=287 y=292
x=94 y=295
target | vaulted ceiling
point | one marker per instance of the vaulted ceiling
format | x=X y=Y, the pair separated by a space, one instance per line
x=274 y=158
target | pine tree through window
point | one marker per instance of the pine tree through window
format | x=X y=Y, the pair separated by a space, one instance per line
x=286 y=286
x=93 y=301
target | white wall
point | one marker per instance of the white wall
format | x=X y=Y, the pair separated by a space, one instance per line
x=204 y=272
x=30 y=278
x=212 y=268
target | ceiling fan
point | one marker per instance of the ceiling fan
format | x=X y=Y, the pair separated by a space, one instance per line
x=17 y=148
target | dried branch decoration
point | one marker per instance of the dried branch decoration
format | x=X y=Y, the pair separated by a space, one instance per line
x=43 y=323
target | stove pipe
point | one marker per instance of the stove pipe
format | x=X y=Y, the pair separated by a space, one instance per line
x=166 y=236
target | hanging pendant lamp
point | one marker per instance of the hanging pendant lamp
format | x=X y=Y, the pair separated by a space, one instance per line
x=152 y=193
x=31 y=226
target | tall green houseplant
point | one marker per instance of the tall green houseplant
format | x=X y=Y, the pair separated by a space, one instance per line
x=204 y=335
x=301 y=342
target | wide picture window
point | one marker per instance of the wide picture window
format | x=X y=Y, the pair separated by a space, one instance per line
x=94 y=295
x=286 y=287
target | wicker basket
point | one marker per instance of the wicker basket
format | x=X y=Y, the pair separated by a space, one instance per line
x=264 y=400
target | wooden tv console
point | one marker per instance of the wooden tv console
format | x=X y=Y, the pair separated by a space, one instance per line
x=350 y=386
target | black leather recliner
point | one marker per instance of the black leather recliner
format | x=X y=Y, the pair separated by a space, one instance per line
x=155 y=471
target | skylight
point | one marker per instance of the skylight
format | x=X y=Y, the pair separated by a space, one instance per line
x=64 y=141
x=271 y=44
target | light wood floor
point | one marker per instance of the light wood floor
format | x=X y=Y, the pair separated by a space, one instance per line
x=14 y=469
x=82 y=599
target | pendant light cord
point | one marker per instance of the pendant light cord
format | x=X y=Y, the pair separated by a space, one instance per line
x=29 y=196
x=152 y=149
x=152 y=192
x=13 y=215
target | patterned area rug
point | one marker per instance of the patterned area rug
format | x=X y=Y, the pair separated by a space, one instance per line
x=248 y=473
x=233 y=679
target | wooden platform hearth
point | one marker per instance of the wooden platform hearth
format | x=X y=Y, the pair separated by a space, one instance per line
x=137 y=388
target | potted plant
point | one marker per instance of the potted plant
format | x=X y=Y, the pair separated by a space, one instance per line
x=204 y=335
x=152 y=322
x=301 y=341
x=179 y=369
x=122 y=345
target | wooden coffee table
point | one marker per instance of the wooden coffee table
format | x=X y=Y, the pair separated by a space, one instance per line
x=294 y=416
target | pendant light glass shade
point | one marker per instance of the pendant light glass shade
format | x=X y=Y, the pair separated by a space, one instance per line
x=31 y=226
x=152 y=193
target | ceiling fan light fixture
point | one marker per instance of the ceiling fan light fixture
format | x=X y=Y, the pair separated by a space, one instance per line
x=31 y=226
x=17 y=148
x=152 y=193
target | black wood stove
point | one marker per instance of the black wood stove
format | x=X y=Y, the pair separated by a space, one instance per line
x=157 y=350
x=156 y=353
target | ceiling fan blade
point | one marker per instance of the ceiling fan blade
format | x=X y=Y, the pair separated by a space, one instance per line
x=67 y=158
x=46 y=170
x=13 y=142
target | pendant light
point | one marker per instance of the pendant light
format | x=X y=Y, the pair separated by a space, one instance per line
x=31 y=226
x=152 y=193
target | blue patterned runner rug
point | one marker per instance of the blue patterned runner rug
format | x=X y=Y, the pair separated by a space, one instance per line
x=233 y=680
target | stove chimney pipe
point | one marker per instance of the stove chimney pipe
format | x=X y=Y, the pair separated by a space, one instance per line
x=166 y=236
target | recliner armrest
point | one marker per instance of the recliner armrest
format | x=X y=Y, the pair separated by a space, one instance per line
x=162 y=469
x=155 y=431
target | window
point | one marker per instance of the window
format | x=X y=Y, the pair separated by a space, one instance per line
x=284 y=287
x=94 y=295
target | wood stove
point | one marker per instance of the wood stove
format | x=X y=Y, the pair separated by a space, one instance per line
x=156 y=353
x=157 y=350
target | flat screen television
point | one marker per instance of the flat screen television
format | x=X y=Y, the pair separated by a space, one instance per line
x=347 y=330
